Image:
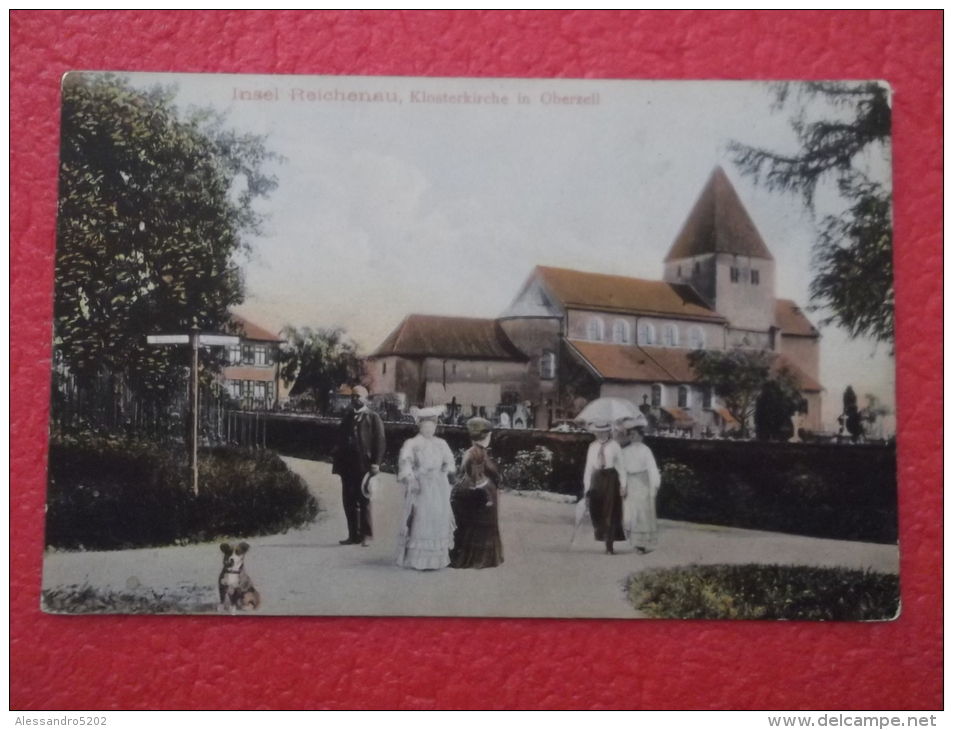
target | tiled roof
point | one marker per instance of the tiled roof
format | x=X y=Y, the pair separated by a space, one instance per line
x=790 y=318
x=623 y=294
x=659 y=364
x=718 y=223
x=252 y=331
x=424 y=335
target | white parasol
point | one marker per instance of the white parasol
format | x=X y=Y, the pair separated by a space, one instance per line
x=610 y=410
x=582 y=509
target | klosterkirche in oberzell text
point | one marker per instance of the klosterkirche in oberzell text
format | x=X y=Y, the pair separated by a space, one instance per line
x=570 y=336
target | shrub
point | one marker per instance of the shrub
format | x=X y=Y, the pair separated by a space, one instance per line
x=683 y=496
x=529 y=470
x=106 y=495
x=765 y=592
x=86 y=599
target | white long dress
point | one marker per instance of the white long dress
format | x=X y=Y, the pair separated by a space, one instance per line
x=638 y=506
x=426 y=523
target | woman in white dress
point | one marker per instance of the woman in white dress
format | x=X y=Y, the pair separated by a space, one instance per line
x=426 y=524
x=604 y=485
x=642 y=484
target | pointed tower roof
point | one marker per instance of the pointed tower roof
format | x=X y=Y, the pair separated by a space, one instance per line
x=718 y=223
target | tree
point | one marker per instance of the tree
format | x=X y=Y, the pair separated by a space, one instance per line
x=778 y=400
x=153 y=211
x=736 y=376
x=319 y=362
x=851 y=415
x=849 y=132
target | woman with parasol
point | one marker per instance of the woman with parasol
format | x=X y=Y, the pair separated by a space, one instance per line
x=604 y=484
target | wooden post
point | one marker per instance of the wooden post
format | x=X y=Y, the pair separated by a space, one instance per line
x=194 y=425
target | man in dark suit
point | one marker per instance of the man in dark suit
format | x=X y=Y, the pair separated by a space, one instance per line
x=359 y=452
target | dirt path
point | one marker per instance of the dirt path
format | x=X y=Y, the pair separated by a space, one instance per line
x=306 y=572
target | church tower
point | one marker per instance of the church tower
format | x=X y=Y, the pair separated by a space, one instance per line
x=721 y=254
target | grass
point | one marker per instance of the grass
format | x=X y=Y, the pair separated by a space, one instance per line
x=86 y=599
x=765 y=592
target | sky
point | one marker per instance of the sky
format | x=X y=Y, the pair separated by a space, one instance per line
x=433 y=202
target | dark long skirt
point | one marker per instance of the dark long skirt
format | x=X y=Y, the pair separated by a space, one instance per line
x=605 y=506
x=476 y=541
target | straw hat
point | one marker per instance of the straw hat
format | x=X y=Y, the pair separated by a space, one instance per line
x=638 y=422
x=427 y=414
x=599 y=426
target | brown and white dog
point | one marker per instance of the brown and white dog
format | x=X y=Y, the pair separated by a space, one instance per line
x=235 y=589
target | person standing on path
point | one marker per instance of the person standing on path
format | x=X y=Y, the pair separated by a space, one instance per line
x=643 y=480
x=426 y=522
x=359 y=452
x=604 y=482
x=475 y=501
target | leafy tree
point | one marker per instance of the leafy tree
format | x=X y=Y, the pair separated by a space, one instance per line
x=851 y=417
x=154 y=208
x=848 y=131
x=779 y=399
x=736 y=376
x=319 y=362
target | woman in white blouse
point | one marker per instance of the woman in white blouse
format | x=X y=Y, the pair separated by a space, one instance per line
x=604 y=482
x=642 y=483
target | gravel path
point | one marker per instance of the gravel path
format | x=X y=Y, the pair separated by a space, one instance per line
x=306 y=572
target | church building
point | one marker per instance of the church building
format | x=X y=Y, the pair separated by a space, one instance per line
x=570 y=336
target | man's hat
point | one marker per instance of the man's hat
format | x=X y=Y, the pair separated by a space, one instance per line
x=370 y=486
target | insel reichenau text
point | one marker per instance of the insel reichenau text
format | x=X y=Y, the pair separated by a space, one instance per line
x=492 y=98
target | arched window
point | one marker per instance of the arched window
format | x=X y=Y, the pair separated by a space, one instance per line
x=656 y=396
x=547 y=365
x=620 y=332
x=596 y=329
x=684 y=399
x=670 y=335
x=696 y=338
x=646 y=334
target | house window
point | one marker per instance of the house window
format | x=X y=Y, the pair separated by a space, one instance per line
x=235 y=355
x=384 y=368
x=646 y=334
x=547 y=365
x=453 y=369
x=735 y=274
x=270 y=390
x=696 y=338
x=261 y=355
x=596 y=330
x=620 y=332
x=248 y=355
x=755 y=277
x=706 y=398
x=683 y=399
x=247 y=386
x=260 y=389
x=235 y=387
x=698 y=268
x=656 y=396
x=670 y=335
x=679 y=272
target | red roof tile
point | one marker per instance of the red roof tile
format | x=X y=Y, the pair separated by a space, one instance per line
x=624 y=294
x=252 y=331
x=791 y=319
x=660 y=364
x=718 y=223
x=424 y=335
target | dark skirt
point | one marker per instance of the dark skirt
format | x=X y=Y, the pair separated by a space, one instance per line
x=605 y=506
x=476 y=540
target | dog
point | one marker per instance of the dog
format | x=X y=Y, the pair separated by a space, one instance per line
x=235 y=588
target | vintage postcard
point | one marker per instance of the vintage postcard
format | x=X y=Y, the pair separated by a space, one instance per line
x=473 y=347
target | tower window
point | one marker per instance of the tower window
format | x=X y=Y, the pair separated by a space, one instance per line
x=698 y=267
x=679 y=272
x=755 y=277
x=384 y=369
x=547 y=365
x=735 y=274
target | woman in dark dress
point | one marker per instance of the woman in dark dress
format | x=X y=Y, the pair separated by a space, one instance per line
x=604 y=485
x=475 y=502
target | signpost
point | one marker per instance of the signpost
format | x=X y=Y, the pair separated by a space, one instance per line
x=196 y=340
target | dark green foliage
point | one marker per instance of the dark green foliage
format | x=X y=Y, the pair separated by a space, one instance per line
x=842 y=127
x=852 y=417
x=110 y=495
x=319 y=362
x=778 y=401
x=153 y=207
x=736 y=376
x=769 y=592
x=86 y=599
x=528 y=470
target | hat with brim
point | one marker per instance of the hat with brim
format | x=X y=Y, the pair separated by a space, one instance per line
x=370 y=485
x=479 y=427
x=639 y=422
x=427 y=414
x=599 y=426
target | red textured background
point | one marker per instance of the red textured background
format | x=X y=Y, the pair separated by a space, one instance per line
x=191 y=663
